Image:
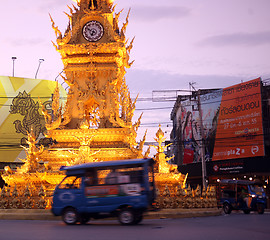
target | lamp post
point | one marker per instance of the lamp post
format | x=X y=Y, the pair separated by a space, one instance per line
x=40 y=61
x=13 y=68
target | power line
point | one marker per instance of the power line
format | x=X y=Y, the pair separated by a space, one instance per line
x=152 y=109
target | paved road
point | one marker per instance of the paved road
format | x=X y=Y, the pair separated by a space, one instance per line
x=235 y=226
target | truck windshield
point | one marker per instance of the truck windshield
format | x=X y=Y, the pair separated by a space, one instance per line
x=70 y=182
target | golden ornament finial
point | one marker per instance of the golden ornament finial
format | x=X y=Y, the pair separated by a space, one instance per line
x=77 y=1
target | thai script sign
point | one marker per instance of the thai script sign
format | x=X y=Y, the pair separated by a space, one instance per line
x=240 y=129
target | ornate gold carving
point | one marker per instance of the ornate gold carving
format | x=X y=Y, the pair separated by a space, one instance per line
x=169 y=193
x=53 y=118
x=32 y=155
x=95 y=71
x=160 y=158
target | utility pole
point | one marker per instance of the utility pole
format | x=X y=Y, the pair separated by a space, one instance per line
x=202 y=149
x=202 y=152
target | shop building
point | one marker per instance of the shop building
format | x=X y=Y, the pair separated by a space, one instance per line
x=223 y=133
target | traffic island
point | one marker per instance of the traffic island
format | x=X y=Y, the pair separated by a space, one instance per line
x=45 y=214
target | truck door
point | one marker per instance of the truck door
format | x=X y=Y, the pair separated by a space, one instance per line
x=69 y=193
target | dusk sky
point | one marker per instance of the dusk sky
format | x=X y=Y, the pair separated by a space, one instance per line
x=214 y=43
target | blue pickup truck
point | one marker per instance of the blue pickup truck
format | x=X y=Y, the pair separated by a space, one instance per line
x=124 y=189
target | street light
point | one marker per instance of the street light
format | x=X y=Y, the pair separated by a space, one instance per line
x=40 y=61
x=13 y=59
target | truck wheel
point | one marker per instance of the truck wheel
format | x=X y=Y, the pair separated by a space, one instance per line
x=84 y=219
x=70 y=216
x=126 y=216
x=260 y=208
x=227 y=208
x=138 y=218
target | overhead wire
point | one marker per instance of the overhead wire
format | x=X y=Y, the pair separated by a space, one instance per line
x=150 y=99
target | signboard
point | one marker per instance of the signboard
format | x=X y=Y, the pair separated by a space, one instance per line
x=240 y=129
x=102 y=191
x=227 y=167
x=133 y=189
x=20 y=109
x=231 y=120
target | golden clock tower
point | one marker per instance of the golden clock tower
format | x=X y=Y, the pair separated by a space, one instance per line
x=95 y=56
x=97 y=118
x=96 y=122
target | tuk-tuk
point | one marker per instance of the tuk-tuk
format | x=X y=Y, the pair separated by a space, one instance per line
x=241 y=195
x=123 y=189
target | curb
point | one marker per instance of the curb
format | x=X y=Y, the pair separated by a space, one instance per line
x=27 y=214
x=184 y=213
x=46 y=214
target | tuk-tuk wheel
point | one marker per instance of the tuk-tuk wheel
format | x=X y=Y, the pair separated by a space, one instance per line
x=246 y=211
x=126 y=216
x=227 y=208
x=70 y=216
x=260 y=208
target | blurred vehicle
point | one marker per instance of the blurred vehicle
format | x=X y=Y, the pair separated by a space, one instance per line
x=241 y=195
x=123 y=189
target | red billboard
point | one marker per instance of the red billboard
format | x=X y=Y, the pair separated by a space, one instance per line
x=240 y=129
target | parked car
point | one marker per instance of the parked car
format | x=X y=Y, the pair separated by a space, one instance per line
x=241 y=195
x=123 y=189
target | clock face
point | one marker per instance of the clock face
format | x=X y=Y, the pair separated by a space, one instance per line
x=93 y=31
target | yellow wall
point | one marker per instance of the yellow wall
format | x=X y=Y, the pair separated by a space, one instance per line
x=10 y=87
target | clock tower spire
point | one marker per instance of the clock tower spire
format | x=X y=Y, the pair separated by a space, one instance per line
x=95 y=55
